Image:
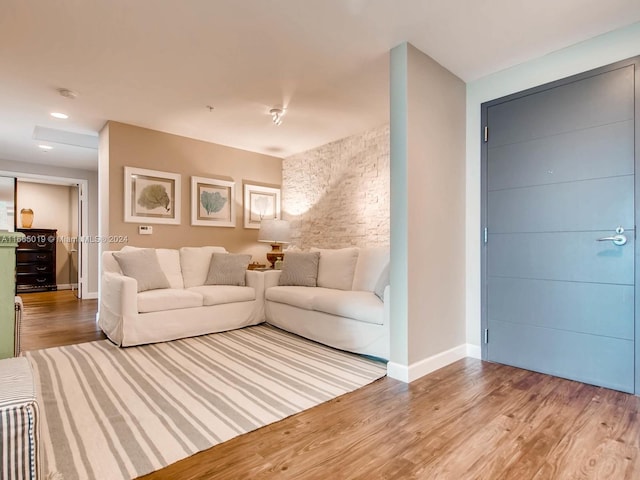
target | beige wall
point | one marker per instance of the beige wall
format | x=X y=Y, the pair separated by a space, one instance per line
x=53 y=208
x=337 y=195
x=427 y=209
x=132 y=146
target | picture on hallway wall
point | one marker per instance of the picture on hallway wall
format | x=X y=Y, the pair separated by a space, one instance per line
x=260 y=203
x=151 y=196
x=212 y=202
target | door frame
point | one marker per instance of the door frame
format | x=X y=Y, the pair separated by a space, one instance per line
x=83 y=184
x=484 y=150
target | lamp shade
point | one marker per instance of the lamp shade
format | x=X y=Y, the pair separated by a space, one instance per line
x=274 y=231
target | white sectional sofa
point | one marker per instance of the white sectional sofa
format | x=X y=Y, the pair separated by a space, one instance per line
x=187 y=308
x=343 y=311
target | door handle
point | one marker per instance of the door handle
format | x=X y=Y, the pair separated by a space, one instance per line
x=616 y=239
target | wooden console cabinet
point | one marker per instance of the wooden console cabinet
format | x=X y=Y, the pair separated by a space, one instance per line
x=36 y=260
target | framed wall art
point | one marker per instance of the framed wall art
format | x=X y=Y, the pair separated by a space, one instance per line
x=151 y=196
x=260 y=203
x=212 y=202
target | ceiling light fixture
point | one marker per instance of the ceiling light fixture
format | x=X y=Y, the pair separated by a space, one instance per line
x=45 y=147
x=276 y=115
x=65 y=92
x=62 y=116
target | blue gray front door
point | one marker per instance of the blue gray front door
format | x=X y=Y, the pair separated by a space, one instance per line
x=558 y=193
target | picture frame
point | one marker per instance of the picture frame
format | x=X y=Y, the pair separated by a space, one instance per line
x=213 y=202
x=260 y=203
x=151 y=196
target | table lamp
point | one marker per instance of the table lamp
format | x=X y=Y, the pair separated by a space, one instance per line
x=277 y=233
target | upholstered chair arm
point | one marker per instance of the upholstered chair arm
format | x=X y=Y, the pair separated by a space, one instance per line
x=271 y=278
x=119 y=294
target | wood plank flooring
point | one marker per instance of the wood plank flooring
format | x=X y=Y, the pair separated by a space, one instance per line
x=470 y=420
x=51 y=319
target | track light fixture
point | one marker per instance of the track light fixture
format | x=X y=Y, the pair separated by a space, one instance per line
x=276 y=115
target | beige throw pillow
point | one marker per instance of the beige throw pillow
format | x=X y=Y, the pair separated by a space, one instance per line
x=228 y=269
x=337 y=267
x=142 y=264
x=300 y=269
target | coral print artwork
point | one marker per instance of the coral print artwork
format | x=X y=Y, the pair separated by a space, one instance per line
x=212 y=202
x=151 y=196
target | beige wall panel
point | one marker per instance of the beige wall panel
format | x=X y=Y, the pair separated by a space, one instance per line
x=143 y=148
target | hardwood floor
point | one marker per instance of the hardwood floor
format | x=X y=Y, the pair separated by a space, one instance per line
x=470 y=420
x=51 y=319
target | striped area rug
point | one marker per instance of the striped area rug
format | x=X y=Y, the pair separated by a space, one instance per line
x=112 y=413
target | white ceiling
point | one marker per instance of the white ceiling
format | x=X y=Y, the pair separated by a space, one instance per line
x=158 y=63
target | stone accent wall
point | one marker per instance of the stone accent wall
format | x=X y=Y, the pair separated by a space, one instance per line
x=337 y=195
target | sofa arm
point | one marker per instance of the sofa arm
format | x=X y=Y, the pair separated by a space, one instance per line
x=255 y=280
x=119 y=294
x=20 y=425
x=271 y=278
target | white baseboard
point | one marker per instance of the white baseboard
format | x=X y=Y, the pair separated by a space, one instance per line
x=419 y=369
x=474 y=351
x=90 y=296
x=64 y=286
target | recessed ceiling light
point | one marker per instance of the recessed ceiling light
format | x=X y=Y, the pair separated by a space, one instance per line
x=45 y=147
x=60 y=115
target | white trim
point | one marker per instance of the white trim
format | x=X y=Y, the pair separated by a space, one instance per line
x=90 y=296
x=424 y=367
x=474 y=351
x=65 y=286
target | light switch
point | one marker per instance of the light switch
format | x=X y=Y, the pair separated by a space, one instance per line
x=145 y=229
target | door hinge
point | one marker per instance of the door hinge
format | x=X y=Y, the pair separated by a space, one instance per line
x=486 y=335
x=486 y=133
x=485 y=235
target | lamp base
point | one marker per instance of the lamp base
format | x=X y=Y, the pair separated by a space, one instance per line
x=275 y=254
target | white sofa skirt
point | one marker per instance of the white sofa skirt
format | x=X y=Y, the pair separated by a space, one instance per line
x=338 y=332
x=162 y=326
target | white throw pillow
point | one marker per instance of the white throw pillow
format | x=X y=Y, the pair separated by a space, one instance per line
x=336 y=267
x=371 y=263
x=195 y=262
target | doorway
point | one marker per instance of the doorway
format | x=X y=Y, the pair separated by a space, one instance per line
x=559 y=212
x=77 y=254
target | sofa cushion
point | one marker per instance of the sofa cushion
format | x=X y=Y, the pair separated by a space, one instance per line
x=358 y=305
x=169 y=260
x=300 y=269
x=220 y=294
x=336 y=267
x=142 y=265
x=194 y=262
x=228 y=269
x=371 y=263
x=301 y=297
x=167 y=299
